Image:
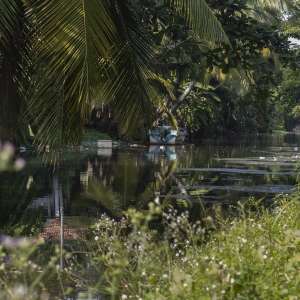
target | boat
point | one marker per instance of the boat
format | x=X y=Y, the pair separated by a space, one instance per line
x=167 y=135
x=167 y=150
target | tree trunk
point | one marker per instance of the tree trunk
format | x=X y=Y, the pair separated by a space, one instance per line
x=176 y=105
x=183 y=96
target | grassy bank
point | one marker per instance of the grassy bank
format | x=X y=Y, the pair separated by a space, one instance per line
x=255 y=256
x=91 y=136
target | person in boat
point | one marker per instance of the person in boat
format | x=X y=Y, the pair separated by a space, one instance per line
x=163 y=133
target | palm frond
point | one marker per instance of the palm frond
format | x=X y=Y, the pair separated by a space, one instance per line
x=267 y=11
x=278 y=5
x=132 y=90
x=201 y=19
x=12 y=47
x=238 y=82
x=8 y=16
x=82 y=48
x=70 y=37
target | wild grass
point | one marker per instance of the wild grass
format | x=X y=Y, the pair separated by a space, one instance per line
x=253 y=256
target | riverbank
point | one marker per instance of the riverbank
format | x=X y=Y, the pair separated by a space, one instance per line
x=254 y=256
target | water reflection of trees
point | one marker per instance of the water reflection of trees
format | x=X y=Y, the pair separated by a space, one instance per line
x=130 y=177
x=126 y=179
x=16 y=196
x=90 y=184
x=130 y=180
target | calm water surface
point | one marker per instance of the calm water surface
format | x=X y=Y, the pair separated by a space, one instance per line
x=213 y=172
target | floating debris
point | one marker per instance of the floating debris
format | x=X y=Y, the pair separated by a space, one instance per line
x=240 y=171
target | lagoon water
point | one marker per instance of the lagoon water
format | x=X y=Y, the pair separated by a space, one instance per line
x=208 y=173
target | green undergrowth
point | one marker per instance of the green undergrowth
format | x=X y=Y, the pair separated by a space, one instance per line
x=91 y=136
x=253 y=256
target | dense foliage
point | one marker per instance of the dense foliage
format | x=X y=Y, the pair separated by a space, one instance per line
x=288 y=106
x=72 y=56
x=200 y=64
x=227 y=86
x=253 y=254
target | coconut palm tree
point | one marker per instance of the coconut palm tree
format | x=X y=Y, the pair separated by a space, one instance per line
x=66 y=55
x=82 y=53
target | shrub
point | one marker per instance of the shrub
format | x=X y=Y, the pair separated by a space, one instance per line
x=255 y=256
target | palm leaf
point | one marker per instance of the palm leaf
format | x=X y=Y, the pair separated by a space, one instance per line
x=12 y=47
x=87 y=52
x=267 y=10
x=201 y=19
x=132 y=90
x=8 y=16
x=70 y=37
x=279 y=5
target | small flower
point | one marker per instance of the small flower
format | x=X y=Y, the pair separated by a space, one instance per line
x=96 y=238
x=19 y=164
x=124 y=296
x=232 y=280
x=18 y=291
x=156 y=201
x=15 y=242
